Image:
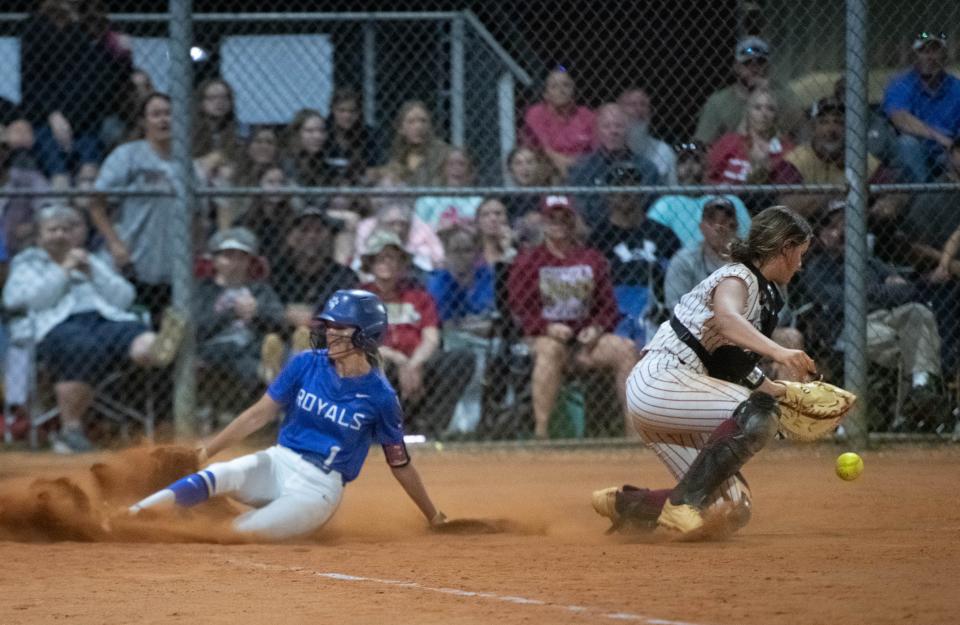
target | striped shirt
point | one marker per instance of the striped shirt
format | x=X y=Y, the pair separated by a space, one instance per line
x=695 y=311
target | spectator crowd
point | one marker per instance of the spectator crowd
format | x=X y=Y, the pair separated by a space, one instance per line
x=556 y=287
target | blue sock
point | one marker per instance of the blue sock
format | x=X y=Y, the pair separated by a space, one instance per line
x=194 y=488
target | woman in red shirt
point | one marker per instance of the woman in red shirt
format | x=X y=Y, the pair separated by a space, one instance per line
x=757 y=148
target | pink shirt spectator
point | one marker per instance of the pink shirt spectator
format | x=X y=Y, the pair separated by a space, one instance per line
x=728 y=161
x=570 y=135
x=422 y=243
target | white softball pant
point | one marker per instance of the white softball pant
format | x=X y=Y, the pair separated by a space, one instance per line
x=291 y=497
x=675 y=408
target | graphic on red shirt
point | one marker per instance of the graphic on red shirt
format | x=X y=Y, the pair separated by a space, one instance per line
x=566 y=292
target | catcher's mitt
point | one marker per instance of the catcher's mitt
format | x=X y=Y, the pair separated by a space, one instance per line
x=812 y=410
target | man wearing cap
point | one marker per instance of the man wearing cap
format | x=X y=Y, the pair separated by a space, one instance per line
x=593 y=169
x=681 y=213
x=430 y=380
x=692 y=265
x=924 y=106
x=725 y=109
x=306 y=274
x=821 y=161
x=900 y=328
x=234 y=315
x=562 y=295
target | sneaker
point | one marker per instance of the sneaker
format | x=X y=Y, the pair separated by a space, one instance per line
x=925 y=409
x=682 y=518
x=167 y=344
x=605 y=502
x=271 y=358
x=71 y=441
x=300 y=341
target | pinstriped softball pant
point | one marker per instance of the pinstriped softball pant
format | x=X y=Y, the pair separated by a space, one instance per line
x=675 y=408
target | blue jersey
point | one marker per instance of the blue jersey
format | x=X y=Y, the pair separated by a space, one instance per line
x=330 y=420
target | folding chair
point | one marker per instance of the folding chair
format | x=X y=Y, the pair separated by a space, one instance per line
x=22 y=357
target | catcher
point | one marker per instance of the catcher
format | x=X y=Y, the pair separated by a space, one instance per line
x=698 y=399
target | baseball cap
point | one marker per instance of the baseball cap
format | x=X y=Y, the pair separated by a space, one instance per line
x=380 y=239
x=553 y=204
x=827 y=105
x=752 y=48
x=311 y=210
x=719 y=205
x=234 y=239
x=924 y=37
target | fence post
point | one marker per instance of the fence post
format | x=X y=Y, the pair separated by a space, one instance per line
x=855 y=359
x=457 y=69
x=506 y=113
x=181 y=86
x=370 y=73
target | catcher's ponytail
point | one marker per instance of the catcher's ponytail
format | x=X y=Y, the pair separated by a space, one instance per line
x=772 y=230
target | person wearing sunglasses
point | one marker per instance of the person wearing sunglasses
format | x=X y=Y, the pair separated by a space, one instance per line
x=724 y=109
x=924 y=106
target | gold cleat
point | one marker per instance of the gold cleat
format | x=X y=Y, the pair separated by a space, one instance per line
x=681 y=518
x=605 y=502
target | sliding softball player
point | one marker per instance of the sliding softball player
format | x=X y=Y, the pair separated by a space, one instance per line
x=336 y=401
x=698 y=398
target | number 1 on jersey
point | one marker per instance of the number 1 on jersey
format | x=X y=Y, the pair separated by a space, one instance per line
x=334 y=450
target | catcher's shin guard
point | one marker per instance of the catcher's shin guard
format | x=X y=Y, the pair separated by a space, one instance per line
x=736 y=440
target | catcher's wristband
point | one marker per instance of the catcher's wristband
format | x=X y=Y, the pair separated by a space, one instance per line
x=754 y=379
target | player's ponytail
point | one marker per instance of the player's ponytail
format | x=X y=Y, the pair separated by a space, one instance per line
x=772 y=230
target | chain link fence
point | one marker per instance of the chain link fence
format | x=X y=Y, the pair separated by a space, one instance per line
x=531 y=187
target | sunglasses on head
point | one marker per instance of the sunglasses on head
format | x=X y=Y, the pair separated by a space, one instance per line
x=927 y=35
x=692 y=147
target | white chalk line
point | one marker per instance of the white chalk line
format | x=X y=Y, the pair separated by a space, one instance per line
x=459 y=592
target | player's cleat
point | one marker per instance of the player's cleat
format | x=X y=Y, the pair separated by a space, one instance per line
x=300 y=342
x=605 y=503
x=681 y=518
x=165 y=346
x=271 y=358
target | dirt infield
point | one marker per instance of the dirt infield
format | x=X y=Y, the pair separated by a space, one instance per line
x=882 y=549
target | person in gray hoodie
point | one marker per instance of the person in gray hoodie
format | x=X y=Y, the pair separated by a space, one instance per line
x=74 y=307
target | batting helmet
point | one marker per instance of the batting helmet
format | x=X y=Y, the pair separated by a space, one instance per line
x=357 y=309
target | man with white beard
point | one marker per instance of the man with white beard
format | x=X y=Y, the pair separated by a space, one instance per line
x=635 y=102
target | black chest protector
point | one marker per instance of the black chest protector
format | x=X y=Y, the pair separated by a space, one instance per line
x=729 y=362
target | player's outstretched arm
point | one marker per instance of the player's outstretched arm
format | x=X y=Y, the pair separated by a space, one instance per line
x=729 y=302
x=410 y=480
x=249 y=421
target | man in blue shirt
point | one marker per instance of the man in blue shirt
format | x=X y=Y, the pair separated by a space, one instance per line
x=924 y=106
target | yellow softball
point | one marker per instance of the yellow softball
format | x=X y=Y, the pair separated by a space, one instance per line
x=849 y=466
